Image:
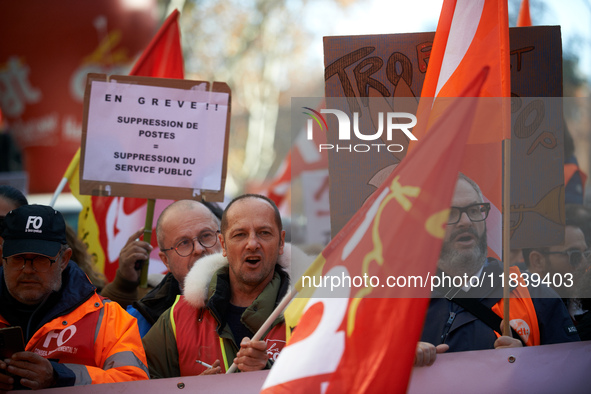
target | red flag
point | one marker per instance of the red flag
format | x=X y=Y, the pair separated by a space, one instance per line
x=361 y=344
x=303 y=156
x=472 y=34
x=280 y=186
x=523 y=19
x=105 y=223
x=163 y=58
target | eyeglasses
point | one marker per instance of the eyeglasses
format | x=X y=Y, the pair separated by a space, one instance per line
x=39 y=263
x=476 y=212
x=575 y=257
x=186 y=246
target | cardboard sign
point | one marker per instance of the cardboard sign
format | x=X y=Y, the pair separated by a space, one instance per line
x=392 y=67
x=537 y=135
x=154 y=138
x=359 y=67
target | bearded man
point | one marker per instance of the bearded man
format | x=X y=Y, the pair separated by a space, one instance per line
x=465 y=313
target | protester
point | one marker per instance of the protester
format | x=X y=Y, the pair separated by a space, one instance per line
x=192 y=228
x=579 y=216
x=125 y=289
x=72 y=336
x=460 y=318
x=83 y=259
x=228 y=296
x=10 y=198
x=583 y=292
x=574 y=177
x=563 y=265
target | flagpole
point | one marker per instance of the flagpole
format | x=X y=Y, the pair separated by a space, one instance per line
x=267 y=324
x=506 y=329
x=148 y=239
x=69 y=171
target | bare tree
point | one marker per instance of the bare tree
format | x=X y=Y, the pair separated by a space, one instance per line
x=256 y=47
x=250 y=46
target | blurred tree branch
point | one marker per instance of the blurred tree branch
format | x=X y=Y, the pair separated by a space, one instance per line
x=254 y=46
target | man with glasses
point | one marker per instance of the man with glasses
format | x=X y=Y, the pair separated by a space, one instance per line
x=466 y=314
x=562 y=265
x=72 y=336
x=186 y=231
x=227 y=298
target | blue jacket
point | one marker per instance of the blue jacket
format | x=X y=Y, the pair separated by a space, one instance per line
x=152 y=305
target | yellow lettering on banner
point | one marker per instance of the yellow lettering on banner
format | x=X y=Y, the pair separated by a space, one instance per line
x=435 y=224
x=401 y=194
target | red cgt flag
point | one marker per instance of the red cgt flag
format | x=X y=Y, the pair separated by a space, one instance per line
x=470 y=35
x=105 y=223
x=358 y=343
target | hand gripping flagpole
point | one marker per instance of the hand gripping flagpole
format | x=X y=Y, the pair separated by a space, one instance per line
x=312 y=269
x=267 y=324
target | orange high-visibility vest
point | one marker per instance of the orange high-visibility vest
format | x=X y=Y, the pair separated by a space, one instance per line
x=523 y=317
x=98 y=340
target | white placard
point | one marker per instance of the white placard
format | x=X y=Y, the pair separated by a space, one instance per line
x=157 y=136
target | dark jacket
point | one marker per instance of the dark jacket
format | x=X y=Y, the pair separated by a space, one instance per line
x=466 y=332
x=152 y=305
x=87 y=339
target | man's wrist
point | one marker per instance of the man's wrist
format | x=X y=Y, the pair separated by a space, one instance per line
x=125 y=284
x=62 y=375
x=121 y=290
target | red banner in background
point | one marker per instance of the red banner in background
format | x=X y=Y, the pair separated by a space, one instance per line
x=47 y=51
